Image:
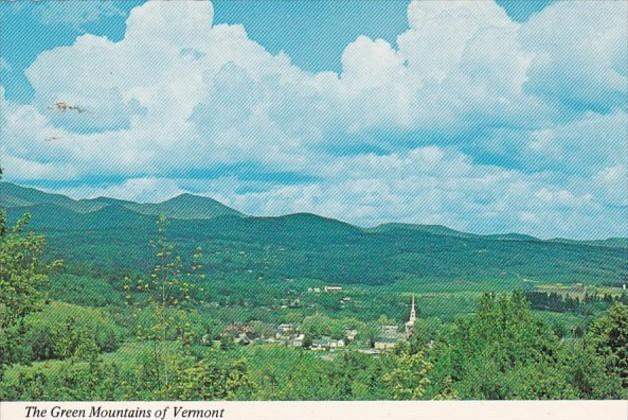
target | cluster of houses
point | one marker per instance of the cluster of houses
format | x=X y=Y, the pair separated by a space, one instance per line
x=326 y=289
x=291 y=335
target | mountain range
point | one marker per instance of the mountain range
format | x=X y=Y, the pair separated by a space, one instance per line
x=107 y=234
x=184 y=206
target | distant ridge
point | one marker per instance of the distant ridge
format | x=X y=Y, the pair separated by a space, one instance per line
x=106 y=234
x=432 y=229
x=610 y=242
x=57 y=209
x=184 y=206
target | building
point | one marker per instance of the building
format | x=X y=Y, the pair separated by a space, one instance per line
x=350 y=335
x=297 y=341
x=389 y=330
x=333 y=289
x=412 y=320
x=286 y=329
x=243 y=338
x=236 y=329
x=327 y=343
x=384 y=343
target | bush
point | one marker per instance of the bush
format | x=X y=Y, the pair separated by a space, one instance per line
x=84 y=291
x=60 y=329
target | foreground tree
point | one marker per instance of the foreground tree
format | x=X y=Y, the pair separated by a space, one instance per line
x=166 y=299
x=504 y=352
x=408 y=378
x=608 y=337
x=23 y=276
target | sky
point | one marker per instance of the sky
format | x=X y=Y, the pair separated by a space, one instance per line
x=483 y=116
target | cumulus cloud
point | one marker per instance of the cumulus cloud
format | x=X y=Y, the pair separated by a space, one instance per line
x=74 y=13
x=580 y=54
x=478 y=122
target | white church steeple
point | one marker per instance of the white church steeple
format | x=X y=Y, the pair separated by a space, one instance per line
x=412 y=320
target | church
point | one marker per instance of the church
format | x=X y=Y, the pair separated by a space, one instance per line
x=412 y=320
x=391 y=335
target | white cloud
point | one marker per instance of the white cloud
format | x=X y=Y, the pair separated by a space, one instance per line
x=440 y=32
x=74 y=13
x=580 y=53
x=4 y=64
x=180 y=95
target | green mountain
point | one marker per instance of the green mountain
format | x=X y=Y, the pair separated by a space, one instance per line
x=610 y=242
x=433 y=229
x=115 y=237
x=185 y=206
x=12 y=195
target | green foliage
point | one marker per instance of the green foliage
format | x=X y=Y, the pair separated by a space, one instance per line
x=21 y=272
x=87 y=345
x=608 y=337
x=167 y=289
x=504 y=352
x=308 y=246
x=166 y=315
x=408 y=376
x=488 y=353
x=585 y=370
x=68 y=380
x=318 y=325
x=83 y=290
x=61 y=330
x=208 y=378
x=22 y=276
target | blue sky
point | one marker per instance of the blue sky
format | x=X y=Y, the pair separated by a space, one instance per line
x=312 y=32
x=486 y=117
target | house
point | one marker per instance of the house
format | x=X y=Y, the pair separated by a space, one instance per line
x=332 y=289
x=286 y=329
x=243 y=338
x=297 y=341
x=369 y=351
x=236 y=329
x=350 y=335
x=327 y=343
x=389 y=330
x=385 y=343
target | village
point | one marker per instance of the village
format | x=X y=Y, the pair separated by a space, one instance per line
x=293 y=334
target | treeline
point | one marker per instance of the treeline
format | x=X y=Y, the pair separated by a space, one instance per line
x=503 y=351
x=557 y=302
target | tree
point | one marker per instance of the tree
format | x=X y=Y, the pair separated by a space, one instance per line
x=23 y=276
x=208 y=379
x=408 y=378
x=585 y=371
x=500 y=351
x=168 y=293
x=307 y=341
x=608 y=337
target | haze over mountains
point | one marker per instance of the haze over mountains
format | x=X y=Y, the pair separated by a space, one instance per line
x=106 y=233
x=185 y=206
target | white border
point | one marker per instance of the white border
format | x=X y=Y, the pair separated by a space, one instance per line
x=332 y=410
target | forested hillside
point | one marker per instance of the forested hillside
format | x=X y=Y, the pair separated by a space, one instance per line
x=105 y=234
